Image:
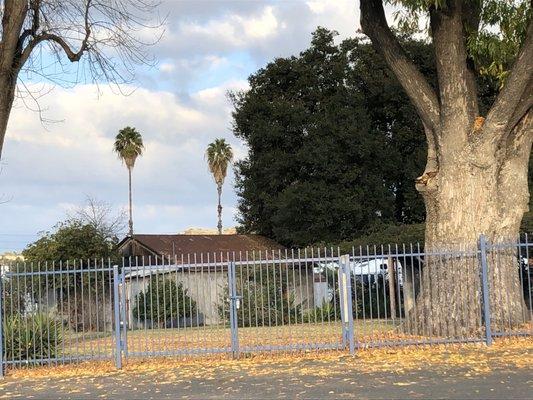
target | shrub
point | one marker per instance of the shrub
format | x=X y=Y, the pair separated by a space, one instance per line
x=266 y=300
x=384 y=235
x=162 y=301
x=32 y=337
x=326 y=312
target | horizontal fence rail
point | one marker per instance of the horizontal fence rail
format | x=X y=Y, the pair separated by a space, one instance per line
x=284 y=300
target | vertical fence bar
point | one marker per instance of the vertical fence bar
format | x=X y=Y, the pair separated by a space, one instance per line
x=341 y=279
x=1 y=327
x=124 y=319
x=233 y=309
x=485 y=288
x=116 y=305
x=348 y=312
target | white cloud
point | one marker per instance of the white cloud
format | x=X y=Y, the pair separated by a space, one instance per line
x=167 y=67
x=258 y=30
x=260 y=27
x=209 y=47
x=46 y=172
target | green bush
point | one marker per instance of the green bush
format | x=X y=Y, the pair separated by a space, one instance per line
x=384 y=235
x=266 y=299
x=162 y=301
x=326 y=312
x=33 y=337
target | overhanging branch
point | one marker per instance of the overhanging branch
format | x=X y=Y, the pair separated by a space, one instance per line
x=72 y=55
x=422 y=95
x=513 y=100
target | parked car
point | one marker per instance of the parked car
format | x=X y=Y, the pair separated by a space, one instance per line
x=367 y=271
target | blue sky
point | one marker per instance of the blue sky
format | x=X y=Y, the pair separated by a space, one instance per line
x=179 y=105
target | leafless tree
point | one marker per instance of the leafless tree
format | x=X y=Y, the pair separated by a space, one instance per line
x=107 y=38
x=101 y=216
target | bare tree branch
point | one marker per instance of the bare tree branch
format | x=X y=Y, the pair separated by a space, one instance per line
x=100 y=215
x=72 y=55
x=422 y=95
x=106 y=38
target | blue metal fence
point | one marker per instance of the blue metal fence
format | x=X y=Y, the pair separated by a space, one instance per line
x=288 y=300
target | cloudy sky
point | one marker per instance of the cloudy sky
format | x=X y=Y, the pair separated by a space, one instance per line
x=180 y=105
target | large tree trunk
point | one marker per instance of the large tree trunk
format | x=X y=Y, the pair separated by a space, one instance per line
x=475 y=181
x=475 y=192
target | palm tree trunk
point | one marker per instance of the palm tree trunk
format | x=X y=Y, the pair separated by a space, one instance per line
x=219 y=189
x=130 y=204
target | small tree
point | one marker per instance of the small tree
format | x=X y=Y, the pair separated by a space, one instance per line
x=163 y=301
x=73 y=245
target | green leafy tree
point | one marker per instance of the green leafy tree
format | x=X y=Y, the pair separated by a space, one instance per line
x=476 y=176
x=71 y=240
x=72 y=245
x=163 y=301
x=334 y=143
x=219 y=156
x=128 y=146
x=313 y=171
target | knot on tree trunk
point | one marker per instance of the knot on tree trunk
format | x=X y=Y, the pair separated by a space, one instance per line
x=478 y=124
x=426 y=181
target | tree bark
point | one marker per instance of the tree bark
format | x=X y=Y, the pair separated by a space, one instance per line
x=7 y=96
x=219 y=208
x=475 y=181
x=11 y=47
x=130 y=222
x=464 y=200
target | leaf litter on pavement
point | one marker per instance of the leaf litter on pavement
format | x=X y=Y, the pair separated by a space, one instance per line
x=307 y=369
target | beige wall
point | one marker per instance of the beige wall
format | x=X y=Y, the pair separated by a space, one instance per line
x=207 y=289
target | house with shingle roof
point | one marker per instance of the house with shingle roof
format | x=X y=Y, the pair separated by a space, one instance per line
x=184 y=246
x=200 y=264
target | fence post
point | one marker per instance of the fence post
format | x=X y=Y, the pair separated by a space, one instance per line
x=347 y=301
x=485 y=288
x=342 y=301
x=116 y=305
x=1 y=327
x=123 y=318
x=233 y=298
x=391 y=264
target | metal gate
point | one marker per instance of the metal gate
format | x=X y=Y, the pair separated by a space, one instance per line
x=175 y=307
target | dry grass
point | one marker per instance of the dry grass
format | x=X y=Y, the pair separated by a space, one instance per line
x=214 y=337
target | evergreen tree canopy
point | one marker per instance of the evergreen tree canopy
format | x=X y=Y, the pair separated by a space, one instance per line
x=334 y=143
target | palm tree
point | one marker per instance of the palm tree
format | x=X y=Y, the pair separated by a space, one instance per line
x=219 y=154
x=128 y=146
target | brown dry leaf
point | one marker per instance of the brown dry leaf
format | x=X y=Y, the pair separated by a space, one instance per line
x=474 y=358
